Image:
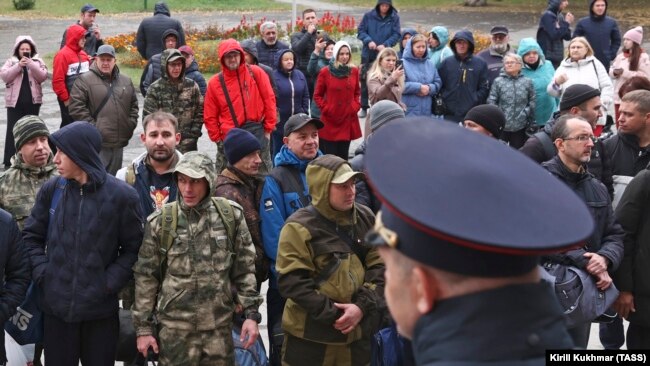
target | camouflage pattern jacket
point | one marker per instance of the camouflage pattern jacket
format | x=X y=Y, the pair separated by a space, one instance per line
x=182 y=99
x=19 y=185
x=246 y=191
x=201 y=266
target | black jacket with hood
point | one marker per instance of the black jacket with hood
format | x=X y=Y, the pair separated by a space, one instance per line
x=627 y=157
x=148 y=39
x=87 y=254
x=553 y=30
x=602 y=33
x=152 y=72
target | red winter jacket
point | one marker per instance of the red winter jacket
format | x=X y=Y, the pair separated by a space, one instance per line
x=67 y=61
x=338 y=100
x=254 y=94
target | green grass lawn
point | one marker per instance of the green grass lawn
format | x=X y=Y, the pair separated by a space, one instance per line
x=59 y=8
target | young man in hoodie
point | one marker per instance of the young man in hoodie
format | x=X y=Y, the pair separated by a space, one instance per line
x=379 y=28
x=82 y=250
x=333 y=283
x=69 y=63
x=554 y=29
x=464 y=77
x=151 y=29
x=601 y=31
x=285 y=191
x=151 y=71
x=176 y=94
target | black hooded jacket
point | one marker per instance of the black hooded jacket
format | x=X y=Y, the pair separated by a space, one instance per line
x=87 y=254
x=627 y=157
x=148 y=39
x=151 y=72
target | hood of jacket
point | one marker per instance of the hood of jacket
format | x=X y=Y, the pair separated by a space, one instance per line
x=197 y=164
x=287 y=157
x=73 y=35
x=248 y=45
x=169 y=32
x=530 y=44
x=554 y=5
x=227 y=46
x=278 y=61
x=592 y=15
x=20 y=40
x=320 y=173
x=443 y=36
x=161 y=8
x=164 y=58
x=17 y=162
x=391 y=11
x=408 y=53
x=404 y=32
x=81 y=142
x=567 y=62
x=466 y=35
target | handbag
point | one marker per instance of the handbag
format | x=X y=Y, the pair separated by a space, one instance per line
x=26 y=326
x=438 y=105
x=578 y=295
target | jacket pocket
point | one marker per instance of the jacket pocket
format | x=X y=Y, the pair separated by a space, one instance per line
x=178 y=259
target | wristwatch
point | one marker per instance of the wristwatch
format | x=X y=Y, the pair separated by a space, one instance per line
x=254 y=315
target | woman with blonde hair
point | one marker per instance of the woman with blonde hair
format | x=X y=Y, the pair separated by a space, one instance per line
x=632 y=61
x=386 y=79
x=582 y=67
x=422 y=81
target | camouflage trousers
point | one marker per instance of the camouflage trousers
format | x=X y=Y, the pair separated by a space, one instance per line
x=196 y=348
x=265 y=154
x=297 y=351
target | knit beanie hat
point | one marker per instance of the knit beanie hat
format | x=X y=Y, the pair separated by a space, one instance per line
x=489 y=117
x=635 y=35
x=27 y=128
x=382 y=112
x=238 y=144
x=577 y=94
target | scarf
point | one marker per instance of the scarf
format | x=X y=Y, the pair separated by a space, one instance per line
x=340 y=72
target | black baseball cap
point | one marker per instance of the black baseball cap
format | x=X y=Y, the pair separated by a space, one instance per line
x=298 y=121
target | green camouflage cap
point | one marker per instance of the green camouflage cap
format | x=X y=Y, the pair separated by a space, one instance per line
x=27 y=128
x=197 y=165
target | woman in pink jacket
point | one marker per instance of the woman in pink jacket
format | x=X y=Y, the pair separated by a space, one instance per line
x=23 y=74
x=337 y=94
x=632 y=61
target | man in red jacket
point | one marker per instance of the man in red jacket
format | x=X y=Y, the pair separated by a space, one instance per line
x=249 y=98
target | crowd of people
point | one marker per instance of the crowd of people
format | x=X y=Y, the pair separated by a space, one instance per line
x=350 y=242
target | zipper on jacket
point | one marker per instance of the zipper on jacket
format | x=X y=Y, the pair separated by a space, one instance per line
x=76 y=254
x=293 y=93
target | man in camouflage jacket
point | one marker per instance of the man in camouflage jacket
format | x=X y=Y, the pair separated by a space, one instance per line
x=31 y=167
x=193 y=302
x=176 y=94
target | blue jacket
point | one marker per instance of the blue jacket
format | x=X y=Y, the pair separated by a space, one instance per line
x=419 y=71
x=374 y=28
x=464 y=82
x=602 y=33
x=442 y=51
x=292 y=92
x=405 y=31
x=88 y=253
x=193 y=73
x=276 y=206
x=541 y=76
x=553 y=30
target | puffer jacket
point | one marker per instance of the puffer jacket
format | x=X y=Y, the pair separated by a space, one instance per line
x=203 y=265
x=267 y=54
x=515 y=96
x=553 y=30
x=85 y=257
x=181 y=98
x=541 y=76
x=464 y=81
x=405 y=31
x=147 y=39
x=12 y=74
x=607 y=238
x=383 y=31
x=623 y=62
x=308 y=244
x=257 y=104
x=588 y=71
x=193 y=73
x=418 y=72
x=20 y=184
x=152 y=70
x=442 y=51
x=601 y=32
x=69 y=63
x=119 y=116
x=293 y=93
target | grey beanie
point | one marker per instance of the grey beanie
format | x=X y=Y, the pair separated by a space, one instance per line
x=382 y=112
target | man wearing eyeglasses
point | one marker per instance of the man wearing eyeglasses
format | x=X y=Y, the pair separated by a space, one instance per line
x=493 y=55
x=573 y=137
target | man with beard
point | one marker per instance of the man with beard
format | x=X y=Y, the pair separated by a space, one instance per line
x=493 y=55
x=269 y=46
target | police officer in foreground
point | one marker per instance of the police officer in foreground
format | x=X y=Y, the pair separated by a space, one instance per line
x=462 y=279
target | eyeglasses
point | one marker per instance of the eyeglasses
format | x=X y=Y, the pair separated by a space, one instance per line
x=582 y=138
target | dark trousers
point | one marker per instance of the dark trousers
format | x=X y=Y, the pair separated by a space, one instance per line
x=13 y=115
x=275 y=307
x=612 y=335
x=93 y=342
x=66 y=119
x=580 y=335
x=338 y=148
x=364 y=86
x=638 y=337
x=515 y=139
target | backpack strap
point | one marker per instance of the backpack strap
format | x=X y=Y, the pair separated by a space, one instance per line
x=227 y=214
x=547 y=144
x=169 y=223
x=129 y=176
x=59 y=188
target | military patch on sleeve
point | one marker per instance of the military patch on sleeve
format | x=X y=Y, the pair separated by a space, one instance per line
x=268 y=204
